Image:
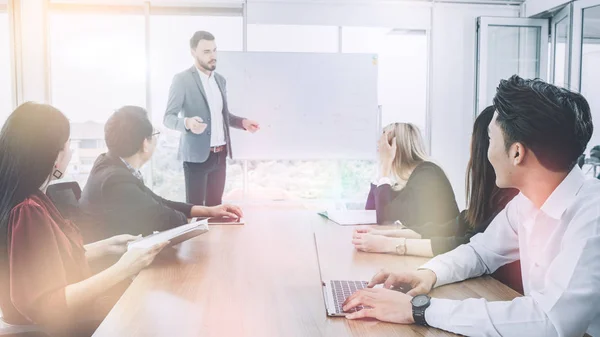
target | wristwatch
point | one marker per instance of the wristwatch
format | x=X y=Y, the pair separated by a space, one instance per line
x=401 y=245
x=419 y=304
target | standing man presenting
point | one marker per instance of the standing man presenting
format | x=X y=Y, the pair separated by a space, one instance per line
x=197 y=107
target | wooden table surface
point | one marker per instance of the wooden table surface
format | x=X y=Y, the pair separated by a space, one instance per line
x=262 y=279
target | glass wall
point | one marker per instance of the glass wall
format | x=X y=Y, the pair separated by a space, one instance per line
x=561 y=31
x=95 y=69
x=590 y=67
x=118 y=58
x=170 y=54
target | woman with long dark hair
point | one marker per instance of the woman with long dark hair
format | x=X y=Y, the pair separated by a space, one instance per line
x=485 y=200
x=44 y=273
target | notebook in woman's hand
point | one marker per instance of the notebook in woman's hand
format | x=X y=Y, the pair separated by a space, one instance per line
x=174 y=235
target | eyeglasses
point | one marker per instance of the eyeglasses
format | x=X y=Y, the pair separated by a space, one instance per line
x=156 y=133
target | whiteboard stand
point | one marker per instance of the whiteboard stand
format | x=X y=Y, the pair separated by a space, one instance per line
x=245 y=180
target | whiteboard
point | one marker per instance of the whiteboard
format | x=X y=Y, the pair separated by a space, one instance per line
x=308 y=105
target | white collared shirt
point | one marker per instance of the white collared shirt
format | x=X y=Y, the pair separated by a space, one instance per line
x=215 y=104
x=559 y=247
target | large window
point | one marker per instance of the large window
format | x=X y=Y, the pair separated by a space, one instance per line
x=170 y=54
x=6 y=93
x=97 y=65
x=101 y=66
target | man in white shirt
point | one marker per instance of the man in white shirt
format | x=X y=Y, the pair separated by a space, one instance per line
x=553 y=226
x=197 y=107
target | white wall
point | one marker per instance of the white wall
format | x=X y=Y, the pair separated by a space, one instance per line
x=453 y=88
x=407 y=15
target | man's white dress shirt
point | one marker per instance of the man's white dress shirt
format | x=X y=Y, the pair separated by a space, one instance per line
x=215 y=104
x=559 y=248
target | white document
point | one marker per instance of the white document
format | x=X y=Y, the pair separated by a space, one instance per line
x=352 y=217
x=175 y=235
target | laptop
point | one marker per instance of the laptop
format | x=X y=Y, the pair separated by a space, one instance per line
x=335 y=292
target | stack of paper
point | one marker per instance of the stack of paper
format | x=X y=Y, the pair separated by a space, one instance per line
x=174 y=235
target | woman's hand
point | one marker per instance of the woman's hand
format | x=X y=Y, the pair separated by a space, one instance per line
x=369 y=230
x=136 y=259
x=117 y=245
x=372 y=243
x=392 y=233
x=387 y=153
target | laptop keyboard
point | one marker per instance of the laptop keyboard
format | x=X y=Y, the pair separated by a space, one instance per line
x=342 y=290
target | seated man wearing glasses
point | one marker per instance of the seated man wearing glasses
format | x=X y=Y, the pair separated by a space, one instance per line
x=115 y=195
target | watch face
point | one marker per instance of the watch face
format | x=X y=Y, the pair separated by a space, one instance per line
x=420 y=300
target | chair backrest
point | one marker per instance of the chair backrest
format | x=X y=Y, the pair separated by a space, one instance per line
x=10 y=330
x=581 y=160
x=595 y=152
x=65 y=196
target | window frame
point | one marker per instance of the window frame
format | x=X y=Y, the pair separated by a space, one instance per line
x=230 y=10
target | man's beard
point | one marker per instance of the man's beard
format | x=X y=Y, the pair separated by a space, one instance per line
x=207 y=66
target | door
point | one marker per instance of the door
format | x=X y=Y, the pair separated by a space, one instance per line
x=585 y=74
x=560 y=52
x=505 y=47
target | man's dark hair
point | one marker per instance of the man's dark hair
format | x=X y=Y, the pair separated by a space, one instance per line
x=200 y=35
x=126 y=130
x=554 y=123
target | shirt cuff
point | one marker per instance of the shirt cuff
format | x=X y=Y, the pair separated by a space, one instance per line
x=441 y=270
x=438 y=312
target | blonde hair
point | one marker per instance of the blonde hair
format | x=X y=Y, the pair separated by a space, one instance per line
x=410 y=151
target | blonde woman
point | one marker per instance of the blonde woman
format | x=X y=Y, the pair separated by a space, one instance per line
x=410 y=188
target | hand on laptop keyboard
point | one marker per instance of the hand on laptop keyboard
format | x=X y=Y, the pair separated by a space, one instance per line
x=344 y=289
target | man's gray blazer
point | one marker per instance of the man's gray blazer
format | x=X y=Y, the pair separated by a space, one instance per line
x=187 y=98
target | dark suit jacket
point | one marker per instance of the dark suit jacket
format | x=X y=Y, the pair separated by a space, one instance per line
x=427 y=197
x=187 y=98
x=121 y=204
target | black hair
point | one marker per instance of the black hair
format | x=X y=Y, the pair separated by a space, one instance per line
x=554 y=123
x=484 y=198
x=126 y=129
x=200 y=35
x=30 y=141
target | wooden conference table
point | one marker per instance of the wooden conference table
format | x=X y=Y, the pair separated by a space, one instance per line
x=262 y=279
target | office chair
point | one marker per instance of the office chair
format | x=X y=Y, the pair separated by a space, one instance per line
x=581 y=160
x=65 y=196
x=10 y=330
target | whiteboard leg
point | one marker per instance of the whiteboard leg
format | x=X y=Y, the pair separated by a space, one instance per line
x=245 y=180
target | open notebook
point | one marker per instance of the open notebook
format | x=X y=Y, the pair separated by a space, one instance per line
x=174 y=235
x=351 y=217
